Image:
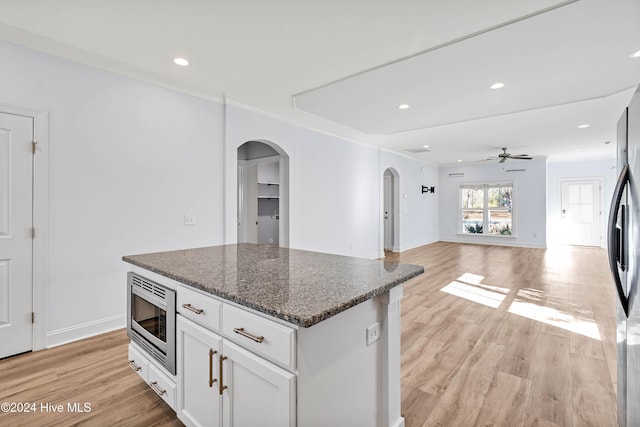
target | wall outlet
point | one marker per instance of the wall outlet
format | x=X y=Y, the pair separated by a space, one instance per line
x=189 y=219
x=373 y=333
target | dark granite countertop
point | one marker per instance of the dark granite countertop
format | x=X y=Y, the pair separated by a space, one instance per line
x=300 y=287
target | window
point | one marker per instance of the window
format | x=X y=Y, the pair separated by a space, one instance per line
x=487 y=209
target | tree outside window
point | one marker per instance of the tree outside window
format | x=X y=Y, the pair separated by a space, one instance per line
x=487 y=209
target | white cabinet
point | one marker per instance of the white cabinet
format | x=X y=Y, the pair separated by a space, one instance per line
x=259 y=335
x=221 y=383
x=268 y=191
x=154 y=376
x=164 y=386
x=269 y=172
x=237 y=367
x=258 y=393
x=200 y=308
x=138 y=362
x=197 y=357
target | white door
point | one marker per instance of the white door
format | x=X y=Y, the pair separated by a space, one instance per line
x=581 y=213
x=16 y=241
x=258 y=393
x=197 y=361
x=388 y=210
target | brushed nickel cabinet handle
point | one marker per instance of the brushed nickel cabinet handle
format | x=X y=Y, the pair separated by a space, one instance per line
x=158 y=390
x=222 y=387
x=211 y=379
x=132 y=365
x=191 y=308
x=242 y=332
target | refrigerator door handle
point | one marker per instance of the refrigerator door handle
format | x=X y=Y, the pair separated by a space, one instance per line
x=614 y=240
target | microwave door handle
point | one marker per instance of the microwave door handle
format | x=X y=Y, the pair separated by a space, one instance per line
x=613 y=240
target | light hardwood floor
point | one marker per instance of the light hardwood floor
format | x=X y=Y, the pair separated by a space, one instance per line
x=508 y=337
x=490 y=336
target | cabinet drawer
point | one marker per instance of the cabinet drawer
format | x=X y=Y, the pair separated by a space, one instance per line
x=260 y=335
x=162 y=385
x=138 y=362
x=202 y=309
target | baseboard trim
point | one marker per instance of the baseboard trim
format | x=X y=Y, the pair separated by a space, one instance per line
x=416 y=245
x=85 y=330
x=495 y=243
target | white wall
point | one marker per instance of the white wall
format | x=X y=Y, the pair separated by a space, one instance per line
x=126 y=161
x=529 y=200
x=559 y=171
x=335 y=188
x=418 y=212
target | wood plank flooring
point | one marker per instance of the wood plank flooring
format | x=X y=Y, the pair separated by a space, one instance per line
x=93 y=371
x=491 y=336
x=498 y=336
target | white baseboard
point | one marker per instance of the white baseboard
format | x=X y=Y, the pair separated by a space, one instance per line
x=502 y=242
x=85 y=330
x=403 y=248
x=416 y=245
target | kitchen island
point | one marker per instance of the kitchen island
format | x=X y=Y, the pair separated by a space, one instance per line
x=282 y=337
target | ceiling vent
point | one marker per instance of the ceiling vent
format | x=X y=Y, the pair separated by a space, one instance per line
x=418 y=150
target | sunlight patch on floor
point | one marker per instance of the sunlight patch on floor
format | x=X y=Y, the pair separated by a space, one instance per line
x=473 y=290
x=529 y=303
x=553 y=317
x=471 y=278
x=558 y=257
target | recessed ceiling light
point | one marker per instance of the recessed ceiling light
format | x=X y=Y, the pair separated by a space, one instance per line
x=497 y=85
x=583 y=126
x=459 y=161
x=578 y=149
x=181 y=61
x=425 y=146
x=635 y=55
x=403 y=106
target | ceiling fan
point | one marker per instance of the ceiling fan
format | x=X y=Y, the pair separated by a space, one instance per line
x=504 y=156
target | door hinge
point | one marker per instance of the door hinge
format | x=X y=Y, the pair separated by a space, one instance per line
x=33 y=232
x=33 y=147
x=33 y=317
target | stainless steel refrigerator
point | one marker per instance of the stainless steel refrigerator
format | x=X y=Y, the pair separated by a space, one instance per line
x=624 y=260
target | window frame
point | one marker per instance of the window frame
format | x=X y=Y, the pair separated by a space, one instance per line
x=485 y=186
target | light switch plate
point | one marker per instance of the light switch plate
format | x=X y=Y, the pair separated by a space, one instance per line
x=189 y=219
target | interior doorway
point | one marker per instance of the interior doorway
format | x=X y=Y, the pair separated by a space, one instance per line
x=263 y=194
x=16 y=245
x=389 y=210
x=581 y=212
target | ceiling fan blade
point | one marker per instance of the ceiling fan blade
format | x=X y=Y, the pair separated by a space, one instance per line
x=522 y=157
x=502 y=160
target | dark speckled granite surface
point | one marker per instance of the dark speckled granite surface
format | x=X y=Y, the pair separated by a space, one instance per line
x=301 y=287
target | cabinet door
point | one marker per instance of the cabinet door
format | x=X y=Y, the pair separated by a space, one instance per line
x=258 y=392
x=198 y=352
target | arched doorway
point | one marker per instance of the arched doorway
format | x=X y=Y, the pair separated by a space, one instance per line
x=390 y=210
x=263 y=194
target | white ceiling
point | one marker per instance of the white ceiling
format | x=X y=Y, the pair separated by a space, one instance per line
x=342 y=67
